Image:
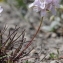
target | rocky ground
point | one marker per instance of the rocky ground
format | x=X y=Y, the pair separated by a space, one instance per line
x=44 y=44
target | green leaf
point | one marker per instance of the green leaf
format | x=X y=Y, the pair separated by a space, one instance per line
x=28 y=61
x=21 y=3
x=52 y=55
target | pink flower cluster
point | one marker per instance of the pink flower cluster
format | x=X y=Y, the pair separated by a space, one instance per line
x=43 y=6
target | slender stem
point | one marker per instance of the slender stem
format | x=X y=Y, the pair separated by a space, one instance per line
x=30 y=40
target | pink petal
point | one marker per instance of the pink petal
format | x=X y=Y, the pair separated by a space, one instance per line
x=53 y=10
x=43 y=13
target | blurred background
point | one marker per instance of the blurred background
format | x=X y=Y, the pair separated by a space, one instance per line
x=50 y=37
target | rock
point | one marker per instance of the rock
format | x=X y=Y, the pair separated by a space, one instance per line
x=55 y=61
x=32 y=52
x=43 y=62
x=52 y=27
x=46 y=28
x=62 y=16
x=31 y=60
x=53 y=35
x=47 y=56
x=42 y=56
x=55 y=24
x=57 y=18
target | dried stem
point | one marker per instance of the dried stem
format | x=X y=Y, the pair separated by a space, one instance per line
x=20 y=46
x=10 y=36
x=0 y=39
x=29 y=41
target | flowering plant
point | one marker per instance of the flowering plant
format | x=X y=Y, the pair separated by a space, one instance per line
x=43 y=6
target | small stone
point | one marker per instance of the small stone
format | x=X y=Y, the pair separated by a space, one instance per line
x=31 y=60
x=55 y=61
x=57 y=18
x=48 y=56
x=42 y=56
x=43 y=62
x=62 y=16
x=32 y=52
x=53 y=35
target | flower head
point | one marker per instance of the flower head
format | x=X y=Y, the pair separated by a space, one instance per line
x=43 y=5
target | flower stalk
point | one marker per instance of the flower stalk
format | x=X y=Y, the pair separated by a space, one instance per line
x=30 y=42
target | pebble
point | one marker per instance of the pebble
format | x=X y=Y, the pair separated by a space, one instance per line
x=42 y=56
x=31 y=60
x=53 y=35
x=55 y=61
